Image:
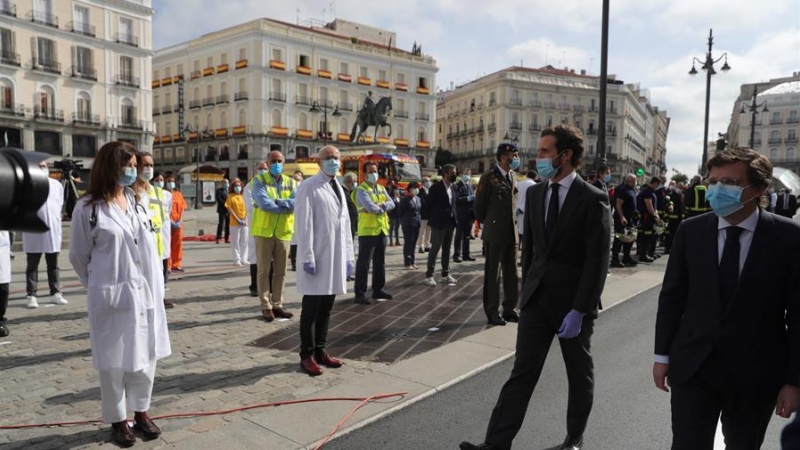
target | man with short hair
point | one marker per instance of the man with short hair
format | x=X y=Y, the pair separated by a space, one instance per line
x=694 y=198
x=786 y=205
x=350 y=181
x=273 y=227
x=522 y=190
x=372 y=202
x=442 y=216
x=624 y=213
x=223 y=217
x=727 y=333
x=603 y=178
x=465 y=201
x=646 y=202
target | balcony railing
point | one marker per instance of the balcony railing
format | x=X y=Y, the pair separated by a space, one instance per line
x=591 y=131
x=12 y=110
x=534 y=127
x=166 y=109
x=127 y=79
x=127 y=39
x=302 y=100
x=130 y=122
x=775 y=121
x=176 y=107
x=792 y=119
x=241 y=95
x=550 y=105
x=516 y=126
x=56 y=115
x=277 y=96
x=401 y=113
x=492 y=102
x=423 y=116
x=578 y=108
x=42 y=18
x=10 y=58
x=156 y=111
x=775 y=140
x=535 y=103
x=492 y=127
x=194 y=104
x=344 y=106
x=84 y=73
x=84 y=118
x=45 y=65
x=594 y=109
x=223 y=99
x=6 y=8
x=611 y=132
x=612 y=110
x=82 y=28
x=515 y=102
x=791 y=140
x=208 y=101
x=563 y=107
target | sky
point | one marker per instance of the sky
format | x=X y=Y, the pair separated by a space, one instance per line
x=651 y=42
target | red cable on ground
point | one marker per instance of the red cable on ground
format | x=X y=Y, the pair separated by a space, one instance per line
x=362 y=402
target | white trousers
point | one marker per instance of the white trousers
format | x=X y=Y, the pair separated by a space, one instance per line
x=425 y=235
x=119 y=389
x=239 y=237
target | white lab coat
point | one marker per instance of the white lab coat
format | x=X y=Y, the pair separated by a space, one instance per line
x=522 y=191
x=166 y=234
x=117 y=261
x=5 y=258
x=323 y=227
x=50 y=213
x=249 y=205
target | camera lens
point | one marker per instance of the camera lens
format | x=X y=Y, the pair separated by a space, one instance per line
x=23 y=190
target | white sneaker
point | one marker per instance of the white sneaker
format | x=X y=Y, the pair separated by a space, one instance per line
x=32 y=303
x=429 y=282
x=448 y=280
x=59 y=299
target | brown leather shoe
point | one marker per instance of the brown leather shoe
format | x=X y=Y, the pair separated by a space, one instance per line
x=122 y=434
x=328 y=361
x=168 y=304
x=282 y=313
x=310 y=366
x=267 y=315
x=143 y=423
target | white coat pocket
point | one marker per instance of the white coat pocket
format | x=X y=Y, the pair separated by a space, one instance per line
x=114 y=298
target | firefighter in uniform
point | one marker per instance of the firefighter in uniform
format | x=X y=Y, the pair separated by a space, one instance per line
x=675 y=214
x=646 y=203
x=661 y=207
x=694 y=198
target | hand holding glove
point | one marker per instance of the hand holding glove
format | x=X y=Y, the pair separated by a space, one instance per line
x=571 y=326
x=351 y=269
x=310 y=268
x=470 y=198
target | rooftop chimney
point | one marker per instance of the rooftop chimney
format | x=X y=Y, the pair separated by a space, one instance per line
x=583 y=71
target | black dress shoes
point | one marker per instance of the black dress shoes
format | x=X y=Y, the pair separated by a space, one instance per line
x=469 y=258
x=361 y=300
x=629 y=262
x=617 y=264
x=467 y=446
x=381 y=294
x=572 y=443
x=122 y=434
x=510 y=316
x=645 y=259
x=496 y=320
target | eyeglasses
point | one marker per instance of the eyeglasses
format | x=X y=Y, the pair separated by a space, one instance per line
x=724 y=181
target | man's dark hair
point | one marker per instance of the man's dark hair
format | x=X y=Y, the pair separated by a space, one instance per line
x=602 y=170
x=591 y=176
x=759 y=169
x=504 y=148
x=366 y=166
x=656 y=180
x=568 y=137
x=532 y=174
x=446 y=168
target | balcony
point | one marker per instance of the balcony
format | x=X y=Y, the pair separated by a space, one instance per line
x=535 y=128
x=46 y=65
x=611 y=132
x=194 y=104
x=549 y=105
x=10 y=109
x=277 y=97
x=128 y=80
x=423 y=116
x=196 y=74
x=6 y=8
x=516 y=126
x=344 y=106
x=43 y=18
x=303 y=70
x=9 y=58
x=239 y=96
x=611 y=110
x=208 y=71
x=401 y=113
x=515 y=102
x=166 y=109
x=592 y=131
x=564 y=107
x=130 y=123
x=84 y=118
x=241 y=64
x=83 y=73
x=757 y=143
x=775 y=140
x=126 y=39
x=492 y=127
x=594 y=109
x=776 y=121
x=156 y=111
x=792 y=119
x=578 y=108
x=791 y=140
x=492 y=102
x=222 y=99
x=535 y=103
x=302 y=100
x=177 y=107
x=208 y=101
x=50 y=114
x=82 y=28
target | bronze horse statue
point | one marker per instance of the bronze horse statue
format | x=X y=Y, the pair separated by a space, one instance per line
x=377 y=119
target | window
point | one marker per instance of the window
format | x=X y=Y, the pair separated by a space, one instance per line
x=6 y=94
x=549 y=121
x=209 y=91
x=46 y=52
x=47 y=100
x=210 y=61
x=792 y=114
x=156 y=74
x=792 y=135
x=242 y=85
x=223 y=59
x=128 y=113
x=323 y=64
x=223 y=120
x=276 y=118
x=773 y=154
x=179 y=71
x=242 y=53
x=363 y=72
x=7 y=44
x=790 y=154
x=304 y=61
x=126 y=30
x=277 y=54
x=423 y=82
x=323 y=94
x=344 y=68
x=344 y=98
x=401 y=78
x=223 y=88
x=196 y=65
x=156 y=102
x=81 y=19
x=83 y=60
x=776 y=117
x=242 y=117
x=382 y=75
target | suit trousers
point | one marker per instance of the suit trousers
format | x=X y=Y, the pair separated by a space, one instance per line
x=134 y=389
x=165 y=269
x=425 y=235
x=4 y=291
x=463 y=233
x=315 y=318
x=223 y=222
x=500 y=256
x=271 y=252
x=32 y=272
x=534 y=335
x=441 y=238
x=370 y=248
x=410 y=236
x=708 y=397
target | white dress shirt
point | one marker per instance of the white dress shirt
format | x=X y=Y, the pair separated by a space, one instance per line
x=563 y=188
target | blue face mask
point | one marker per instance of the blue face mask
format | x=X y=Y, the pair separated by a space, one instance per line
x=372 y=178
x=514 y=163
x=158 y=184
x=128 y=176
x=465 y=178
x=545 y=167
x=276 y=168
x=237 y=189
x=331 y=167
x=725 y=200
x=607 y=178
x=171 y=185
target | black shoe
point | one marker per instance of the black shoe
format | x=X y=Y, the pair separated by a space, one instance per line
x=469 y=258
x=510 y=316
x=496 y=320
x=630 y=262
x=427 y=249
x=382 y=294
x=253 y=292
x=467 y=446
x=645 y=259
x=361 y=300
x=616 y=264
x=572 y=443
x=457 y=259
x=666 y=251
x=3 y=330
x=422 y=250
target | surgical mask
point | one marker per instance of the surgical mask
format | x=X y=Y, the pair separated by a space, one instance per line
x=171 y=185
x=127 y=177
x=725 y=200
x=331 y=167
x=276 y=168
x=427 y=184
x=545 y=167
x=237 y=189
x=158 y=184
x=146 y=174
x=453 y=178
x=414 y=191
x=465 y=178
x=372 y=178
x=514 y=163
x=227 y=186
x=607 y=178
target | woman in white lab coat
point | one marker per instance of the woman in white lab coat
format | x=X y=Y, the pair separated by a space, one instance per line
x=325 y=253
x=5 y=279
x=261 y=167
x=113 y=250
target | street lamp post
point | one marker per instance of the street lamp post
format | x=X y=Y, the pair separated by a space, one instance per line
x=317 y=108
x=198 y=203
x=513 y=138
x=753 y=108
x=708 y=66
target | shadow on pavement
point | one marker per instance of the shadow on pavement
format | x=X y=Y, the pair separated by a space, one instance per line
x=64 y=441
x=7 y=362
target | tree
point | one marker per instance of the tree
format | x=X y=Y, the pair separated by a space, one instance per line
x=680 y=177
x=443 y=157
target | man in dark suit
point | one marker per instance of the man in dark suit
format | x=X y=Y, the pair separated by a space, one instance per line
x=440 y=207
x=786 y=205
x=564 y=265
x=495 y=208
x=465 y=200
x=222 y=211
x=728 y=324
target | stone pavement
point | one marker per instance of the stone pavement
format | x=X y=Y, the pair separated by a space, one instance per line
x=47 y=374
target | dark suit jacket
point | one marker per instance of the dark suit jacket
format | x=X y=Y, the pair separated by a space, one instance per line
x=440 y=210
x=352 y=211
x=568 y=271
x=759 y=332
x=464 y=206
x=423 y=195
x=410 y=213
x=496 y=206
x=221 y=195
x=792 y=207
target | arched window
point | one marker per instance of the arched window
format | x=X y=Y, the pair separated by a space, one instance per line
x=46 y=103
x=83 y=106
x=209 y=122
x=6 y=93
x=277 y=119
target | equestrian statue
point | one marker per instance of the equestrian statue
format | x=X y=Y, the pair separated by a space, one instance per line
x=372 y=114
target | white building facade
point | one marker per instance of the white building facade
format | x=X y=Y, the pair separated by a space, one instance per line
x=251 y=88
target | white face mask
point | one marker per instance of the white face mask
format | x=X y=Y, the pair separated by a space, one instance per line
x=146 y=174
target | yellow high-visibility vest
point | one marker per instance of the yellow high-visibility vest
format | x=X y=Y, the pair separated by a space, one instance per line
x=371 y=224
x=159 y=216
x=267 y=224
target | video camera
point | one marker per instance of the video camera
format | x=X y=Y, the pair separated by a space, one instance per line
x=66 y=166
x=24 y=188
